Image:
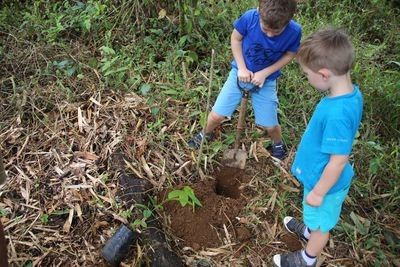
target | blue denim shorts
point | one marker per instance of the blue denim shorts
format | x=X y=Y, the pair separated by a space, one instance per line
x=325 y=217
x=264 y=101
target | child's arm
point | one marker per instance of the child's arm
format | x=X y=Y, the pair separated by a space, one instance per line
x=244 y=74
x=260 y=76
x=329 y=177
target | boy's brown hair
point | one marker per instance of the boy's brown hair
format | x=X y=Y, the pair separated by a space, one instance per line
x=328 y=48
x=275 y=14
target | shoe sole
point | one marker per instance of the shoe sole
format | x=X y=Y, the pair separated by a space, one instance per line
x=277 y=260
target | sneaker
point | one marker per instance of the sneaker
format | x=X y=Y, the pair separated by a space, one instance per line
x=291 y=259
x=278 y=151
x=295 y=227
x=196 y=140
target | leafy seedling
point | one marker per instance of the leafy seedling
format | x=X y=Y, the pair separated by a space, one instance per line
x=142 y=223
x=185 y=196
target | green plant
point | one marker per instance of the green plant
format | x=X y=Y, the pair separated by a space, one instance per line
x=185 y=196
x=142 y=222
x=3 y=212
x=44 y=218
x=145 y=213
x=66 y=66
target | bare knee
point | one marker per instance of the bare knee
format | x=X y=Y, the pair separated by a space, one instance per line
x=271 y=129
x=216 y=118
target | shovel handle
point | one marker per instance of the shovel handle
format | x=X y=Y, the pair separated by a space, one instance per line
x=242 y=115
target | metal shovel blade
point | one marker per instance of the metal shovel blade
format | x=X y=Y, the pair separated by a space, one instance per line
x=234 y=158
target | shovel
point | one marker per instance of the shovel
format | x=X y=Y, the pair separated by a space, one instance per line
x=236 y=158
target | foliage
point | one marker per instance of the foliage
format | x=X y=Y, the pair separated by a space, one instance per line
x=185 y=196
x=141 y=223
x=141 y=214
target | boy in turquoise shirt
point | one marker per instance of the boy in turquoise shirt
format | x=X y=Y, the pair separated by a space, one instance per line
x=322 y=159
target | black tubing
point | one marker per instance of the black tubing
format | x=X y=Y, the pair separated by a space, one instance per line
x=118 y=245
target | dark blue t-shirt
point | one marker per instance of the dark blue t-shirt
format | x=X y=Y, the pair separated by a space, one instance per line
x=261 y=51
x=331 y=131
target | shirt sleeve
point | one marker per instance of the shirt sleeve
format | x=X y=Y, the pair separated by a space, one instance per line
x=294 y=47
x=337 y=138
x=241 y=24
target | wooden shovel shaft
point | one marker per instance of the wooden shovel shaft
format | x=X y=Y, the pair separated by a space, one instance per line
x=242 y=115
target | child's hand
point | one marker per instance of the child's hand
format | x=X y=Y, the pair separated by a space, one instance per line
x=244 y=75
x=258 y=79
x=313 y=199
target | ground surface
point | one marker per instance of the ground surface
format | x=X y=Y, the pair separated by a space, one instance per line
x=217 y=222
x=65 y=217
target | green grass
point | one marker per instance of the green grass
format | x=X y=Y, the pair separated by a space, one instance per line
x=63 y=46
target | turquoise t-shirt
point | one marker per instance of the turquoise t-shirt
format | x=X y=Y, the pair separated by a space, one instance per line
x=331 y=131
x=261 y=51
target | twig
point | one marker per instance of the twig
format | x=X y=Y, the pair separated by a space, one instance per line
x=207 y=107
x=2 y=170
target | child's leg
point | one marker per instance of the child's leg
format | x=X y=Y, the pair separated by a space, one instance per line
x=226 y=103
x=323 y=219
x=316 y=243
x=265 y=105
x=229 y=97
x=275 y=133
x=213 y=121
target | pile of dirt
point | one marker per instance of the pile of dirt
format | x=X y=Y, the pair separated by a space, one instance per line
x=215 y=223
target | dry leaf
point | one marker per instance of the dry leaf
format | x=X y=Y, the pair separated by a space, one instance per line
x=162 y=14
x=87 y=155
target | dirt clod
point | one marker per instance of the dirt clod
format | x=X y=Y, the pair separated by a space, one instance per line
x=291 y=241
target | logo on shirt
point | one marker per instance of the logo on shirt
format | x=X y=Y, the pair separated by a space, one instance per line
x=258 y=55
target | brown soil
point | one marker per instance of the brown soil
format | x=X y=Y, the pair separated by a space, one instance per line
x=222 y=201
x=291 y=241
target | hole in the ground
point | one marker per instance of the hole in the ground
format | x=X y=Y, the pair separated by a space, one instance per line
x=228 y=182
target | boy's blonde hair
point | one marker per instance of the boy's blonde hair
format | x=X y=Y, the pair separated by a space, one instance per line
x=330 y=49
x=275 y=14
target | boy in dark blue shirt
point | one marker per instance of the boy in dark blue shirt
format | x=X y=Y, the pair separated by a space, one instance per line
x=322 y=159
x=263 y=41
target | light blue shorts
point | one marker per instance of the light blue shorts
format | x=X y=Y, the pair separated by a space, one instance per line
x=264 y=101
x=325 y=217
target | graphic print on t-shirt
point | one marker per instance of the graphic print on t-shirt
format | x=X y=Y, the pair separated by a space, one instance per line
x=258 y=55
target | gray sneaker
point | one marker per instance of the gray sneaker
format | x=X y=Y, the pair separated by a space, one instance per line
x=278 y=151
x=195 y=141
x=295 y=227
x=291 y=259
